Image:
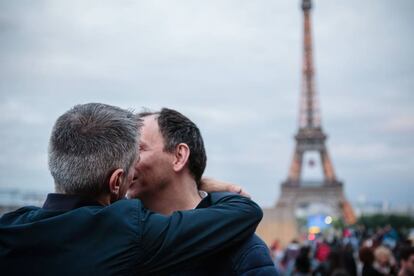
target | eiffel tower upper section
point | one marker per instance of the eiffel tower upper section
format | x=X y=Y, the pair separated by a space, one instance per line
x=309 y=117
x=310 y=136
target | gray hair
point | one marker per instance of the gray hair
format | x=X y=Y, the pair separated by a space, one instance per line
x=88 y=143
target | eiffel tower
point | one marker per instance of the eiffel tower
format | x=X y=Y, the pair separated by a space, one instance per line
x=310 y=136
x=297 y=193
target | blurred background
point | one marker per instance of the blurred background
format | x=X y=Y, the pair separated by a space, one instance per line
x=233 y=67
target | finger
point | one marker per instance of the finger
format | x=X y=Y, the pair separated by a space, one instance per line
x=238 y=190
x=235 y=188
x=244 y=193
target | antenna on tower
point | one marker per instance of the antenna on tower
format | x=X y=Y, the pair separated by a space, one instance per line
x=306 y=5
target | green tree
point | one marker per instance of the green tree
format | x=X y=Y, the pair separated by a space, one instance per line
x=401 y=223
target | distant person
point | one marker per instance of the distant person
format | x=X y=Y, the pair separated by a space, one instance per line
x=287 y=265
x=172 y=161
x=85 y=229
x=366 y=256
x=335 y=263
x=276 y=253
x=340 y=262
x=407 y=262
x=322 y=251
x=303 y=262
x=384 y=263
x=349 y=261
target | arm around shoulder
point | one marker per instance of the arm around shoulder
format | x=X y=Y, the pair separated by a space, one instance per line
x=185 y=235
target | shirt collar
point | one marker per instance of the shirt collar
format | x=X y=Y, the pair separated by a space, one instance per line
x=64 y=202
x=205 y=200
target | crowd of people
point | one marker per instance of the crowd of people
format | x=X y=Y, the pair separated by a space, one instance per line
x=355 y=251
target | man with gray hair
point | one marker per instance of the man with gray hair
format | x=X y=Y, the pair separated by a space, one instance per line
x=85 y=229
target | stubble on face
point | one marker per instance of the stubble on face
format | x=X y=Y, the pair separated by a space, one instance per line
x=154 y=167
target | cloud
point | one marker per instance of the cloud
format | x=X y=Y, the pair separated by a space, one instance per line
x=18 y=112
x=401 y=125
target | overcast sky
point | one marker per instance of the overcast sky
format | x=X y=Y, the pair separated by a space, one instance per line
x=231 y=66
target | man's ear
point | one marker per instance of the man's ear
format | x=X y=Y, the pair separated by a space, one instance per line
x=115 y=181
x=181 y=155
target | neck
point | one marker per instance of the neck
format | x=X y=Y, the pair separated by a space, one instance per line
x=181 y=194
x=104 y=199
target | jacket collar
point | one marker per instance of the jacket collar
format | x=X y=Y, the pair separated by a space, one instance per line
x=64 y=202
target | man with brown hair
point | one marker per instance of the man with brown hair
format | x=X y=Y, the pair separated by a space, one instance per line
x=169 y=172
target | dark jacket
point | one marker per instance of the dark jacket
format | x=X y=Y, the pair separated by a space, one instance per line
x=71 y=235
x=248 y=257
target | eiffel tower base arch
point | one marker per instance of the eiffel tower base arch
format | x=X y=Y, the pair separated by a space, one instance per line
x=280 y=222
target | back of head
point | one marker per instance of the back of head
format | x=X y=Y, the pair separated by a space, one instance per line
x=407 y=260
x=175 y=128
x=366 y=255
x=382 y=254
x=302 y=263
x=335 y=260
x=406 y=252
x=87 y=144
